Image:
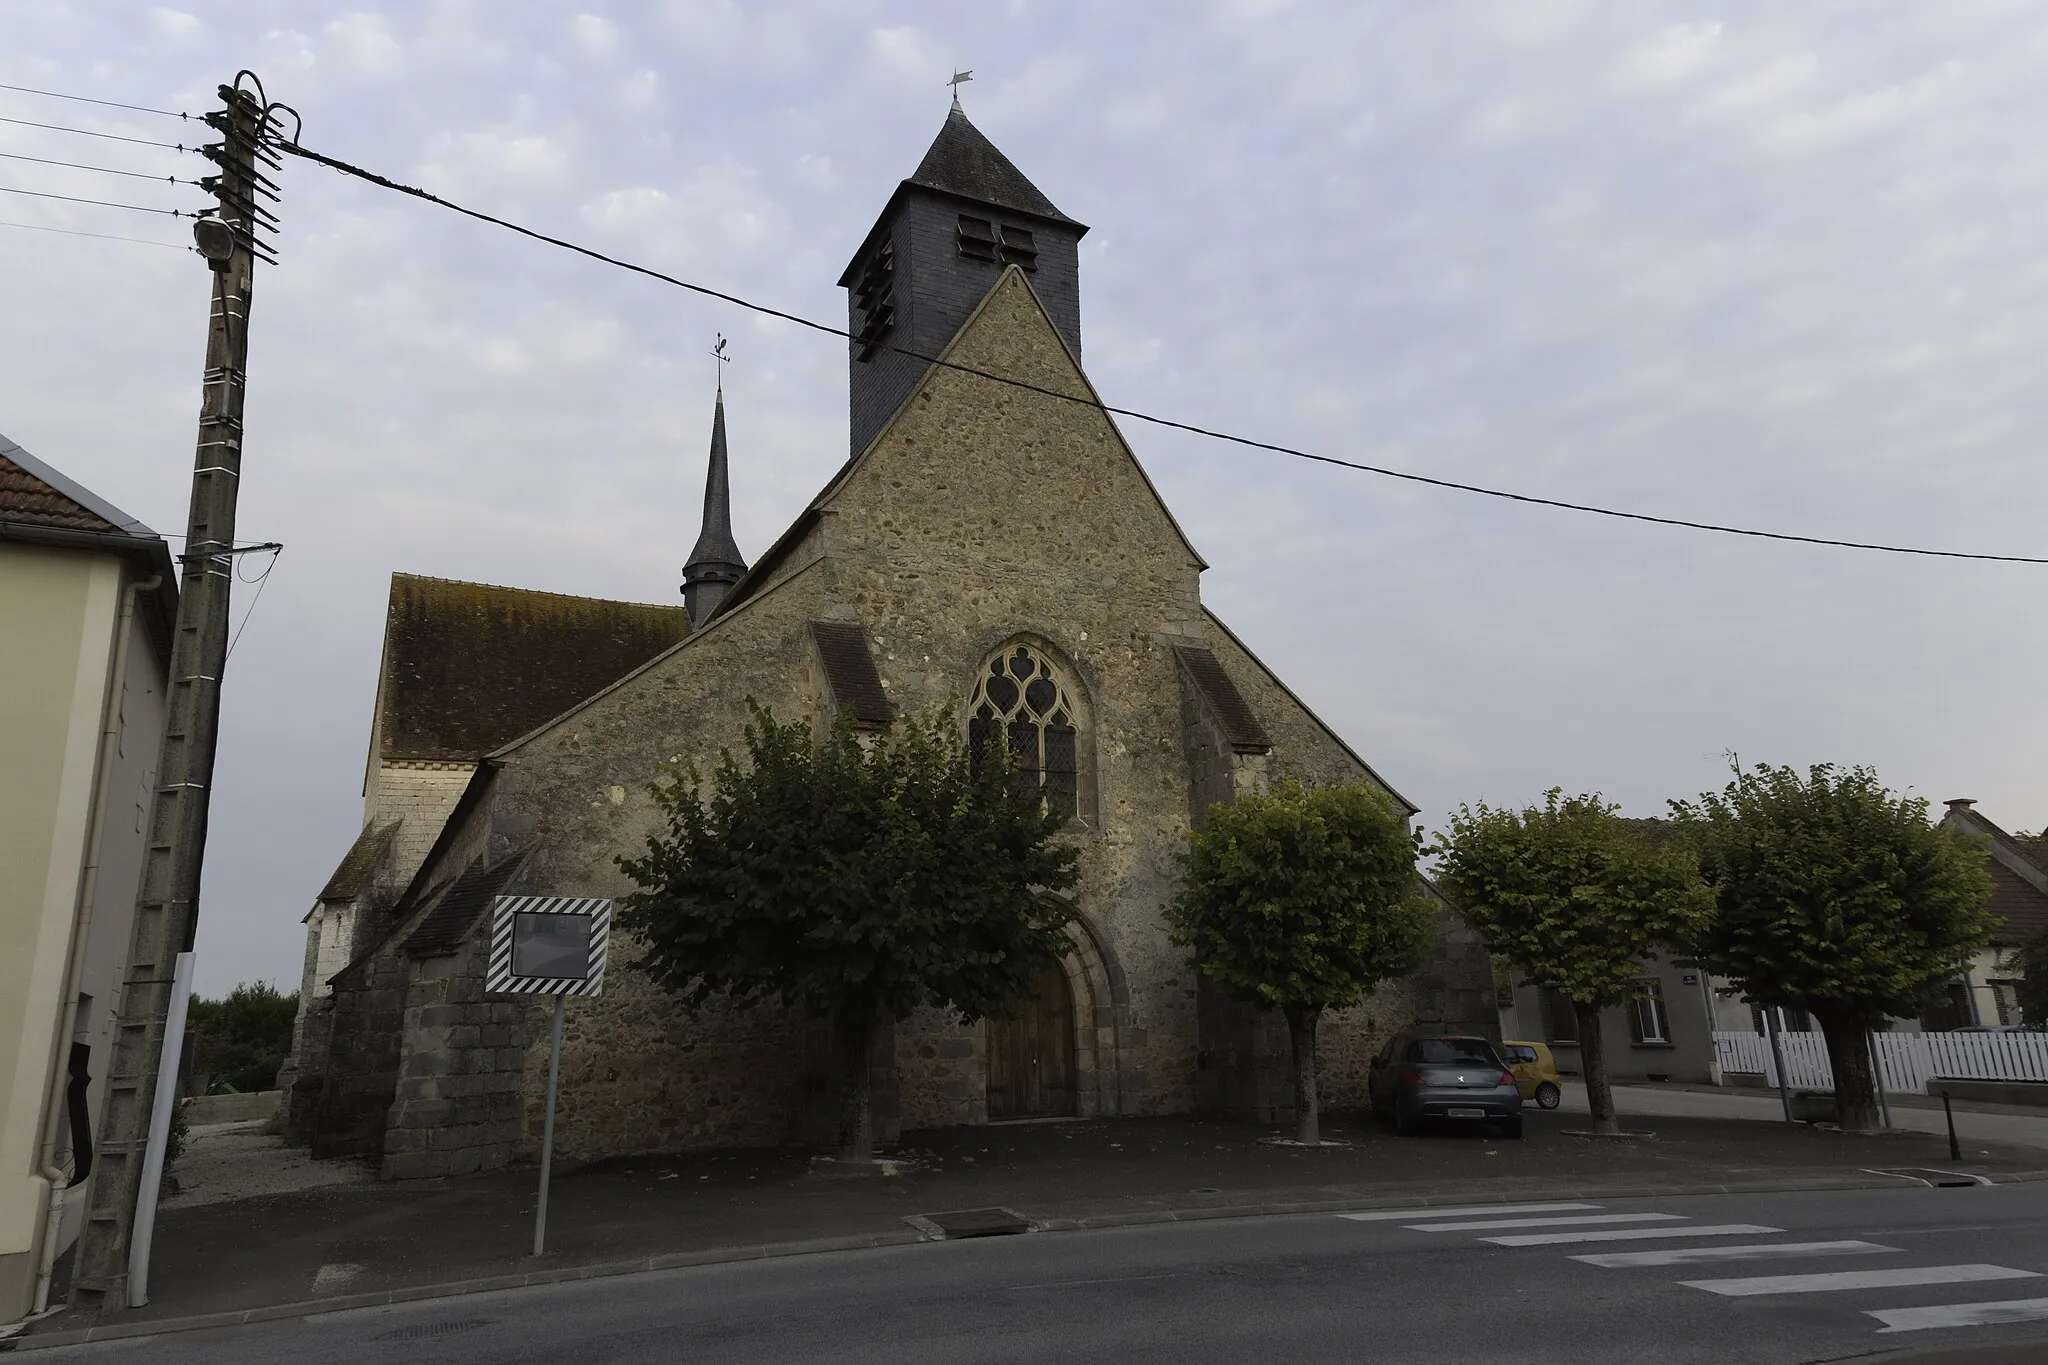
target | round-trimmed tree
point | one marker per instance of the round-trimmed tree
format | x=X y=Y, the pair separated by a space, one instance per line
x=1839 y=898
x=860 y=876
x=1304 y=899
x=1573 y=897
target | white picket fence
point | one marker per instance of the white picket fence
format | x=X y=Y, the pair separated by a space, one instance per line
x=1907 y=1061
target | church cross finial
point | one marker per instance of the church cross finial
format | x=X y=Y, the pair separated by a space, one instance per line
x=960 y=78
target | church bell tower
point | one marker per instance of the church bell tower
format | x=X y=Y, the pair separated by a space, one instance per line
x=938 y=247
x=715 y=563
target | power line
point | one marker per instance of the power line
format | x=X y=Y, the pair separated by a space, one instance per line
x=87 y=99
x=1382 y=471
x=103 y=203
x=87 y=132
x=103 y=170
x=103 y=236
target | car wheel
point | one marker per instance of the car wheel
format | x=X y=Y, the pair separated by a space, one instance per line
x=1406 y=1122
x=1548 y=1095
x=1511 y=1126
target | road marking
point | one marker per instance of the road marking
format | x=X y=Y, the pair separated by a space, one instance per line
x=1538 y=1239
x=1959 y=1315
x=1392 y=1215
x=1492 y=1223
x=1861 y=1279
x=1762 y=1251
x=334 y=1275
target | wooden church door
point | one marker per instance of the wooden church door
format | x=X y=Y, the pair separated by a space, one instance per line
x=1031 y=1057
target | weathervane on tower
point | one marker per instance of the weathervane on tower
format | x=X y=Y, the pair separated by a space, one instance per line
x=718 y=354
x=960 y=78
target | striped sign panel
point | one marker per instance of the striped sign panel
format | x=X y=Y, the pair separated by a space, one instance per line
x=548 y=945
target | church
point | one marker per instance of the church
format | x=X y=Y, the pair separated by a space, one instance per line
x=992 y=548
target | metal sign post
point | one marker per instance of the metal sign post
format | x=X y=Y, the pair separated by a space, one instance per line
x=548 y=945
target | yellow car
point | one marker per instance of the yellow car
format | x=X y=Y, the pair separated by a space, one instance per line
x=1535 y=1072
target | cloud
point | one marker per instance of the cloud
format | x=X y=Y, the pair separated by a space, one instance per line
x=174 y=23
x=1775 y=266
x=362 y=42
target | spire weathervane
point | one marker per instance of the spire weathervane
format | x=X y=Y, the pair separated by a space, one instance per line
x=960 y=78
x=718 y=354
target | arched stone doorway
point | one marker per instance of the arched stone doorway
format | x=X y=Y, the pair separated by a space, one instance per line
x=1031 y=1071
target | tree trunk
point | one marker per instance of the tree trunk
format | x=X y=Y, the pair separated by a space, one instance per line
x=856 y=1090
x=1849 y=1058
x=1301 y=1032
x=1593 y=1058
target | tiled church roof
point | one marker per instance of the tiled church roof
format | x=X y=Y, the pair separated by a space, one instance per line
x=470 y=666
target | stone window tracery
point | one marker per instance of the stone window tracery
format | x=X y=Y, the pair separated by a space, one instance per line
x=1021 y=700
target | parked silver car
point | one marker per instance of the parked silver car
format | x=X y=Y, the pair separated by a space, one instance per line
x=1421 y=1076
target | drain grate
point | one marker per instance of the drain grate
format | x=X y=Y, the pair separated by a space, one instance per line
x=421 y=1330
x=970 y=1223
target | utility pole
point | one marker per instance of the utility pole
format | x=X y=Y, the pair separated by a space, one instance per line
x=167 y=907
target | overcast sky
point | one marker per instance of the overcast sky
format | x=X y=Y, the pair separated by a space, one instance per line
x=1780 y=266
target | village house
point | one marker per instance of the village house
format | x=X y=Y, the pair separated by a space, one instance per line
x=990 y=550
x=88 y=600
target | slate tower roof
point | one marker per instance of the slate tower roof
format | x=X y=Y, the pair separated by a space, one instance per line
x=938 y=247
x=715 y=563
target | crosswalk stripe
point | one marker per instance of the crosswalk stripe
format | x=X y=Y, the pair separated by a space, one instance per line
x=1860 y=1279
x=1392 y=1215
x=1537 y=1239
x=1959 y=1315
x=1761 y=1251
x=1492 y=1223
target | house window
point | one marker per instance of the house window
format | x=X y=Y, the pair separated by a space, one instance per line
x=874 y=295
x=982 y=240
x=1021 y=701
x=1561 y=1021
x=1646 y=1015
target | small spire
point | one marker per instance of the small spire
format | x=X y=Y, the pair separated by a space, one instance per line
x=960 y=78
x=715 y=563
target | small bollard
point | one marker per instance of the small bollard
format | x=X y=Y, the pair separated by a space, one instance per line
x=1955 y=1149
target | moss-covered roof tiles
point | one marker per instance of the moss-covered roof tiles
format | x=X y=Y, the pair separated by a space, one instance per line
x=471 y=666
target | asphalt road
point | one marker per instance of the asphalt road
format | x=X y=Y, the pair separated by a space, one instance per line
x=1720 y=1278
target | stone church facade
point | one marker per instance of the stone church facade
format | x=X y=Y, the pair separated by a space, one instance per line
x=991 y=551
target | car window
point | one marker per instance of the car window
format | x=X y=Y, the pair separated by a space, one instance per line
x=1452 y=1051
x=1519 y=1055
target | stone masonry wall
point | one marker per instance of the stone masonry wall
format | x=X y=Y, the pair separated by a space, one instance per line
x=456 y=1105
x=366 y=1037
x=422 y=795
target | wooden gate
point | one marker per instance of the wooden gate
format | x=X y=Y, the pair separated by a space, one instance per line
x=1031 y=1057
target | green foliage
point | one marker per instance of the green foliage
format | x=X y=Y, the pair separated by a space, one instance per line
x=241 y=1041
x=865 y=876
x=1570 y=894
x=2030 y=960
x=1303 y=897
x=1835 y=895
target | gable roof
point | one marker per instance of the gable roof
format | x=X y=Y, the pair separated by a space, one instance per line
x=34 y=494
x=362 y=857
x=2019 y=885
x=962 y=161
x=469 y=666
x=790 y=539
x=40 y=506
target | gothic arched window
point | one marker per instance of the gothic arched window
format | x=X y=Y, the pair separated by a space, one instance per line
x=1021 y=698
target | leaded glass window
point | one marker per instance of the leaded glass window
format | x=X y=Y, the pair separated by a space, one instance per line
x=1021 y=702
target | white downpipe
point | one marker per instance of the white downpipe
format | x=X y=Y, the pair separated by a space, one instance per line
x=159 y=1133
x=46 y=1265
